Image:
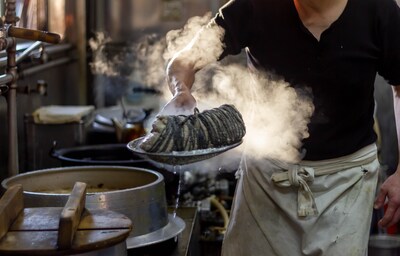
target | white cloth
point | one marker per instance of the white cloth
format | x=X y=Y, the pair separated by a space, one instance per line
x=315 y=208
x=55 y=114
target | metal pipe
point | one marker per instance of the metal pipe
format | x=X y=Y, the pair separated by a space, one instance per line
x=11 y=95
x=52 y=49
x=49 y=49
x=36 y=69
x=27 y=51
x=6 y=42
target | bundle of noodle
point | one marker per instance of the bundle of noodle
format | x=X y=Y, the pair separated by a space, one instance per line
x=212 y=128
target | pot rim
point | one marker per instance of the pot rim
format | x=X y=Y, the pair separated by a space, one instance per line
x=5 y=183
x=61 y=154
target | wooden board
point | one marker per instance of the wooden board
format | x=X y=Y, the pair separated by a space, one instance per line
x=47 y=219
x=71 y=216
x=45 y=242
x=35 y=232
x=11 y=204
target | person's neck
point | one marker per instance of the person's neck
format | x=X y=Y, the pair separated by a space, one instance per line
x=317 y=6
x=318 y=15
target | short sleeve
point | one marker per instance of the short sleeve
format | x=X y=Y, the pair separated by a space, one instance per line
x=389 y=32
x=234 y=17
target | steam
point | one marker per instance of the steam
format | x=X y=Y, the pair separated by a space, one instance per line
x=200 y=36
x=101 y=64
x=121 y=66
x=276 y=115
x=141 y=61
x=149 y=65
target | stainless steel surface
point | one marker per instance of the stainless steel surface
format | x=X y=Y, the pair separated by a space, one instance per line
x=116 y=250
x=178 y=157
x=384 y=245
x=174 y=227
x=28 y=51
x=138 y=193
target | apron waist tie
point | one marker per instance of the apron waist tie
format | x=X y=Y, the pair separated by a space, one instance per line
x=299 y=176
x=302 y=174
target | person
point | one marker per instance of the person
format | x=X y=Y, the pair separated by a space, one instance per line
x=323 y=204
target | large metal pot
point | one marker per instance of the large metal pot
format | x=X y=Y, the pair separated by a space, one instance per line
x=135 y=192
x=384 y=245
x=115 y=250
x=104 y=154
x=114 y=155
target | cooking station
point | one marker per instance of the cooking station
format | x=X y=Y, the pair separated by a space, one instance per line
x=76 y=88
x=81 y=84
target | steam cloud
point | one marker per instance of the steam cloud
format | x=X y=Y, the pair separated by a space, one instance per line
x=201 y=36
x=101 y=64
x=275 y=114
x=141 y=61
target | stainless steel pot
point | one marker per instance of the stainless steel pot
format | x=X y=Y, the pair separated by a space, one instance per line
x=384 y=245
x=135 y=192
x=116 y=250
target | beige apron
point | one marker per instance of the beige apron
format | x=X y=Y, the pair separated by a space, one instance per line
x=314 y=208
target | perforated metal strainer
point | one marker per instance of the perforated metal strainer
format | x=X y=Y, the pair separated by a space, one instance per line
x=179 y=157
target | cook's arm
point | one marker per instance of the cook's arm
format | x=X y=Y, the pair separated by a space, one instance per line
x=396 y=106
x=390 y=189
x=205 y=48
x=180 y=79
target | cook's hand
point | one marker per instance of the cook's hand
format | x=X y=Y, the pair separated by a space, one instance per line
x=183 y=103
x=389 y=190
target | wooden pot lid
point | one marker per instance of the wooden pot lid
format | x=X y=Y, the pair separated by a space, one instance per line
x=55 y=230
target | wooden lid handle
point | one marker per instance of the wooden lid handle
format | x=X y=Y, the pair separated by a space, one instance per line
x=71 y=216
x=11 y=204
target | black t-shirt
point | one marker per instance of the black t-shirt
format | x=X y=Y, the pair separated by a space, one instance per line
x=340 y=69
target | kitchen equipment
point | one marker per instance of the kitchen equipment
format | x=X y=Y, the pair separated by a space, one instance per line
x=104 y=154
x=112 y=155
x=137 y=193
x=384 y=245
x=126 y=131
x=132 y=115
x=39 y=140
x=117 y=124
x=178 y=157
x=68 y=230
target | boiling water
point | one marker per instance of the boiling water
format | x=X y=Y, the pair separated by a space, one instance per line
x=177 y=170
